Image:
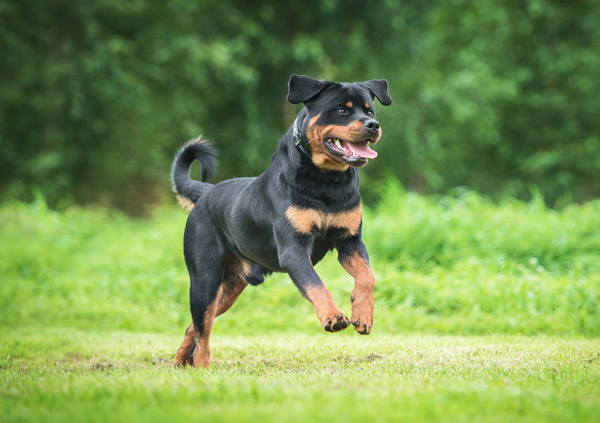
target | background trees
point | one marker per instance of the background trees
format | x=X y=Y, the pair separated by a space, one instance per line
x=95 y=97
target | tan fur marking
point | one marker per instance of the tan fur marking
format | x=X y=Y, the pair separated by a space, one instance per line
x=320 y=156
x=238 y=266
x=316 y=135
x=350 y=220
x=362 y=295
x=198 y=140
x=367 y=105
x=230 y=294
x=307 y=220
x=349 y=104
x=245 y=268
x=303 y=220
x=324 y=305
x=183 y=353
x=185 y=203
x=233 y=285
x=202 y=351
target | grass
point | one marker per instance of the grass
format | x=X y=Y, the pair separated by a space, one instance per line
x=120 y=376
x=484 y=312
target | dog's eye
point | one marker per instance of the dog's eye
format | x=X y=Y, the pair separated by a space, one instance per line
x=370 y=113
x=342 y=111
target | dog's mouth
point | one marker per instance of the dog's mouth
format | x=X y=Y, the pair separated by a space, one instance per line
x=355 y=154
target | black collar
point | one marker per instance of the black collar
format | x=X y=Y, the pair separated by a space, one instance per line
x=298 y=139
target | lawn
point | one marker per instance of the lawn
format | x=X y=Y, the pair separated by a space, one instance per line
x=63 y=374
x=484 y=312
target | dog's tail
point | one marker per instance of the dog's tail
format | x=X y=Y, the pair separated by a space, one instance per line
x=188 y=190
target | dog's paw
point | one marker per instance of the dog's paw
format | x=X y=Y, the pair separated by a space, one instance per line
x=362 y=314
x=362 y=325
x=182 y=361
x=336 y=323
x=184 y=353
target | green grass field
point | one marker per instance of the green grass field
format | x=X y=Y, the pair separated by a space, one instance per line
x=484 y=312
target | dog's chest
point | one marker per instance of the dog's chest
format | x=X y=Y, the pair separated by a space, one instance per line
x=308 y=221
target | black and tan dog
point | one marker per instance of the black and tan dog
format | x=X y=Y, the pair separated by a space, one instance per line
x=285 y=220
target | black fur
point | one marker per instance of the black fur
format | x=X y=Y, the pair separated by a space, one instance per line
x=246 y=217
x=193 y=150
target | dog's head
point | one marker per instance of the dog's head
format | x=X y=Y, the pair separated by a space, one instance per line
x=340 y=124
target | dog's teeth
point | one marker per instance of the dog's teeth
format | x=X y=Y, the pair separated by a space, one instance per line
x=338 y=144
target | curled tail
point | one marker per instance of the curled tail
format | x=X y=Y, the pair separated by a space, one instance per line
x=187 y=189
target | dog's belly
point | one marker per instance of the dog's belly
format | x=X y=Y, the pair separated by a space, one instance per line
x=255 y=242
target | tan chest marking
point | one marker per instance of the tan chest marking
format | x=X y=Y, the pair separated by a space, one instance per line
x=305 y=221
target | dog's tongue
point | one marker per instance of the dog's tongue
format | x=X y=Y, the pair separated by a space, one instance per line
x=362 y=150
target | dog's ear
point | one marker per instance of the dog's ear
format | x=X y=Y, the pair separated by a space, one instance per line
x=378 y=88
x=302 y=88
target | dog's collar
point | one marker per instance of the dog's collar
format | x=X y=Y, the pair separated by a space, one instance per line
x=298 y=139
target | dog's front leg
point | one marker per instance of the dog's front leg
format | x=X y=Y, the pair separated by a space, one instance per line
x=353 y=256
x=294 y=257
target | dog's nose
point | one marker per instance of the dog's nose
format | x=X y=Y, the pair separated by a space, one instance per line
x=372 y=125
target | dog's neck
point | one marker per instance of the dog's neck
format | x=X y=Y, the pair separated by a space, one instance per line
x=313 y=187
x=299 y=139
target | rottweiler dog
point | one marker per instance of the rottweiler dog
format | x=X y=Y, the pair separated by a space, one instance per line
x=285 y=220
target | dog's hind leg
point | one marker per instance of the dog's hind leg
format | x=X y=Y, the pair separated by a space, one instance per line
x=235 y=275
x=194 y=349
x=206 y=292
x=234 y=282
x=228 y=296
x=206 y=307
x=183 y=353
x=205 y=256
x=227 y=293
x=203 y=314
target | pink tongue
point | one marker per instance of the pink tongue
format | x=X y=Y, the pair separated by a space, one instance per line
x=361 y=150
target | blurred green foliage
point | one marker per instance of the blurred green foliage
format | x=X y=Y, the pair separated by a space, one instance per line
x=497 y=95
x=459 y=265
